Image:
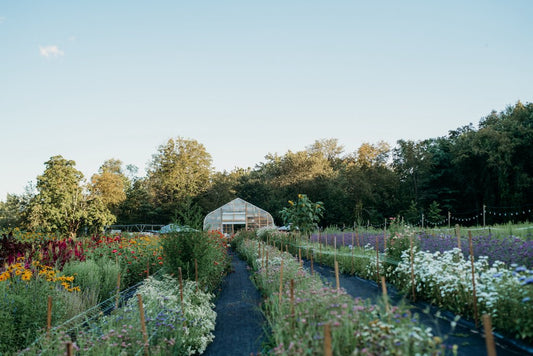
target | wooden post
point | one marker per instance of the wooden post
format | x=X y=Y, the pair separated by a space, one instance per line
x=474 y=297
x=384 y=292
x=49 y=316
x=69 y=349
x=312 y=265
x=489 y=338
x=327 y=340
x=143 y=323
x=412 y=268
x=342 y=238
x=337 y=276
x=118 y=291
x=181 y=287
x=280 y=282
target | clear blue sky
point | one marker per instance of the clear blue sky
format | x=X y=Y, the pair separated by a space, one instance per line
x=95 y=80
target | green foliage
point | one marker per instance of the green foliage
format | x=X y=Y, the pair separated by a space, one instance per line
x=181 y=169
x=59 y=204
x=137 y=206
x=181 y=249
x=110 y=183
x=303 y=215
x=190 y=214
x=434 y=217
x=412 y=214
x=23 y=311
x=469 y=167
x=10 y=212
x=97 y=278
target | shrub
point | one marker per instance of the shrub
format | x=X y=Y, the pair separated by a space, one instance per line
x=181 y=249
x=97 y=279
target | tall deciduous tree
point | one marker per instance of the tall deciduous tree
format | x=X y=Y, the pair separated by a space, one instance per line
x=59 y=205
x=412 y=162
x=110 y=183
x=180 y=169
x=10 y=210
x=373 y=154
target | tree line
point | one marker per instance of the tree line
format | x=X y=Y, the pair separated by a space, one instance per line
x=491 y=164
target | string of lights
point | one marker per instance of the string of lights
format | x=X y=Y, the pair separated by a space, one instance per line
x=499 y=213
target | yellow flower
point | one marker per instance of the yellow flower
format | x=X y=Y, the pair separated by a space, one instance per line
x=26 y=276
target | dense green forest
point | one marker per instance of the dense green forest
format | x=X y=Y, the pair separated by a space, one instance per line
x=471 y=168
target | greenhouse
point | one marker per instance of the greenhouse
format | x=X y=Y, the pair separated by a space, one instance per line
x=235 y=215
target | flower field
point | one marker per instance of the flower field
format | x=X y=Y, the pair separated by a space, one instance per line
x=57 y=292
x=443 y=275
x=300 y=308
x=132 y=294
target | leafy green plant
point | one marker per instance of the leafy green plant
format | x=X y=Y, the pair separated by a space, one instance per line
x=97 y=278
x=182 y=249
x=303 y=214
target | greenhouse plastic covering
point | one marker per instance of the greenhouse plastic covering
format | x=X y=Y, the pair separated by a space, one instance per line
x=237 y=214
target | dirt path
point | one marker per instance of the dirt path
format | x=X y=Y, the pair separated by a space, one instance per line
x=469 y=341
x=239 y=324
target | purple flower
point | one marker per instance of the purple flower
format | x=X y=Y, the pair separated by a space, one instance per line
x=528 y=281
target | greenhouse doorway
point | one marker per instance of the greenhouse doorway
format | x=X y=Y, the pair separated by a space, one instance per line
x=233 y=228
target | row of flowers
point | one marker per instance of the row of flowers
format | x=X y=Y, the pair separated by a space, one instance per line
x=298 y=315
x=509 y=249
x=173 y=326
x=504 y=291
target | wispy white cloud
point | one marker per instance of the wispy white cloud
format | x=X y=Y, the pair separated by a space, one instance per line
x=2 y=19
x=50 y=51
